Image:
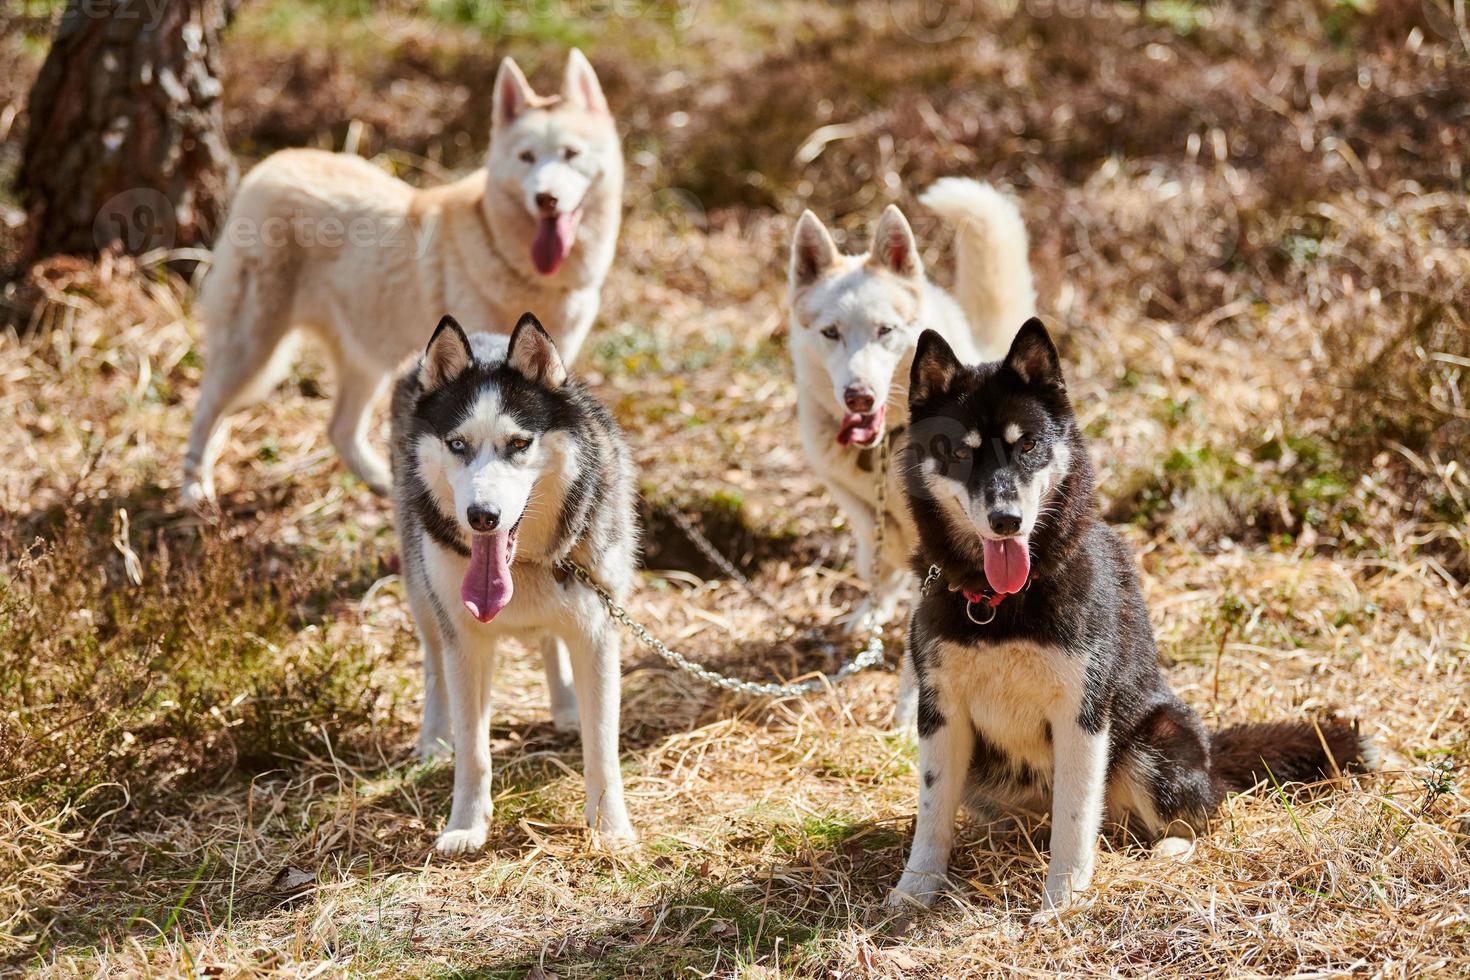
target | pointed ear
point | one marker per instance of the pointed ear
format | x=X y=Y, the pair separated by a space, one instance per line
x=894 y=247
x=812 y=250
x=512 y=93
x=1033 y=356
x=580 y=87
x=935 y=367
x=533 y=353
x=447 y=355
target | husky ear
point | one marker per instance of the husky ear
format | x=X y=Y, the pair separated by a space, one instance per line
x=894 y=247
x=447 y=355
x=935 y=367
x=512 y=93
x=533 y=354
x=1033 y=356
x=580 y=87
x=812 y=250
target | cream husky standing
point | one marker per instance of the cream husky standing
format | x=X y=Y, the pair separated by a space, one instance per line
x=854 y=322
x=329 y=244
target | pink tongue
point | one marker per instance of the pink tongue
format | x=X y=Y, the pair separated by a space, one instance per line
x=487 y=585
x=861 y=429
x=554 y=238
x=1007 y=564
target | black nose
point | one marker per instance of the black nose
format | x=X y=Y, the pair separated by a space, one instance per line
x=1004 y=521
x=483 y=519
x=546 y=202
x=858 y=398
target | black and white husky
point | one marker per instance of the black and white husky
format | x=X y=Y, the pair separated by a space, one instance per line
x=504 y=467
x=1039 y=682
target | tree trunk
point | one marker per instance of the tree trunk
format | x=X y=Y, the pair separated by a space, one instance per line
x=125 y=147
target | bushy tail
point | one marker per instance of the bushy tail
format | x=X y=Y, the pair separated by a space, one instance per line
x=1292 y=751
x=992 y=265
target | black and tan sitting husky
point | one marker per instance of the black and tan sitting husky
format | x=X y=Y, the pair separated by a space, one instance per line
x=1039 y=682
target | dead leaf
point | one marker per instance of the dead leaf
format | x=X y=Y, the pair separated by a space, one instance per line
x=290 y=880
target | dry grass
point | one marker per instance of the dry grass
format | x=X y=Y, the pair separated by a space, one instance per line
x=205 y=727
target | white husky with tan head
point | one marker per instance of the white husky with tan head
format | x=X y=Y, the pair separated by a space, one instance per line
x=854 y=322
x=328 y=244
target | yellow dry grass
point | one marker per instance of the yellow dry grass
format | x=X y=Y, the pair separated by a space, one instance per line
x=205 y=726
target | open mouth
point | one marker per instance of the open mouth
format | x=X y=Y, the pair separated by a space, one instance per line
x=487 y=587
x=861 y=428
x=1007 y=563
x=555 y=235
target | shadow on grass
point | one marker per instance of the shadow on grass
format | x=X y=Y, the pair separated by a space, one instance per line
x=826 y=877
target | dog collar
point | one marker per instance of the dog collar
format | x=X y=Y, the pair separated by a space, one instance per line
x=985 y=600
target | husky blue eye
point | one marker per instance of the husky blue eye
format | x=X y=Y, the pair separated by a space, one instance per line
x=457 y=446
x=829 y=332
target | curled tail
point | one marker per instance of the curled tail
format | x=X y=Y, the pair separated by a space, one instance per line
x=1292 y=751
x=992 y=265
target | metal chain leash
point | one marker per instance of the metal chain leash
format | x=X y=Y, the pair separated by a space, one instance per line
x=870 y=655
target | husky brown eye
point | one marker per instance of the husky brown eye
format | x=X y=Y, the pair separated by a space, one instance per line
x=527 y=156
x=518 y=445
x=1027 y=444
x=829 y=332
x=961 y=452
x=570 y=153
x=884 y=330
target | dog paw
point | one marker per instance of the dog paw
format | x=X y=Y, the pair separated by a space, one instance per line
x=916 y=889
x=616 y=838
x=435 y=749
x=1058 y=900
x=1177 y=848
x=453 y=842
x=197 y=494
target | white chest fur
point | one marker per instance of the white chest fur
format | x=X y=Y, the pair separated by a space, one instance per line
x=1013 y=694
x=539 y=602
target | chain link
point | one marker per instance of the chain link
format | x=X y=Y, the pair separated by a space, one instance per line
x=870 y=655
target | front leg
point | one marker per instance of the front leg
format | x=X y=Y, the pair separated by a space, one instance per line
x=559 y=685
x=906 y=705
x=945 y=746
x=468 y=670
x=1081 y=769
x=597 y=675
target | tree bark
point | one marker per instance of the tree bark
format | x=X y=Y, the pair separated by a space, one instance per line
x=125 y=148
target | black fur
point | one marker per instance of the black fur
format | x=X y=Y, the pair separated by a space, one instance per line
x=1083 y=596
